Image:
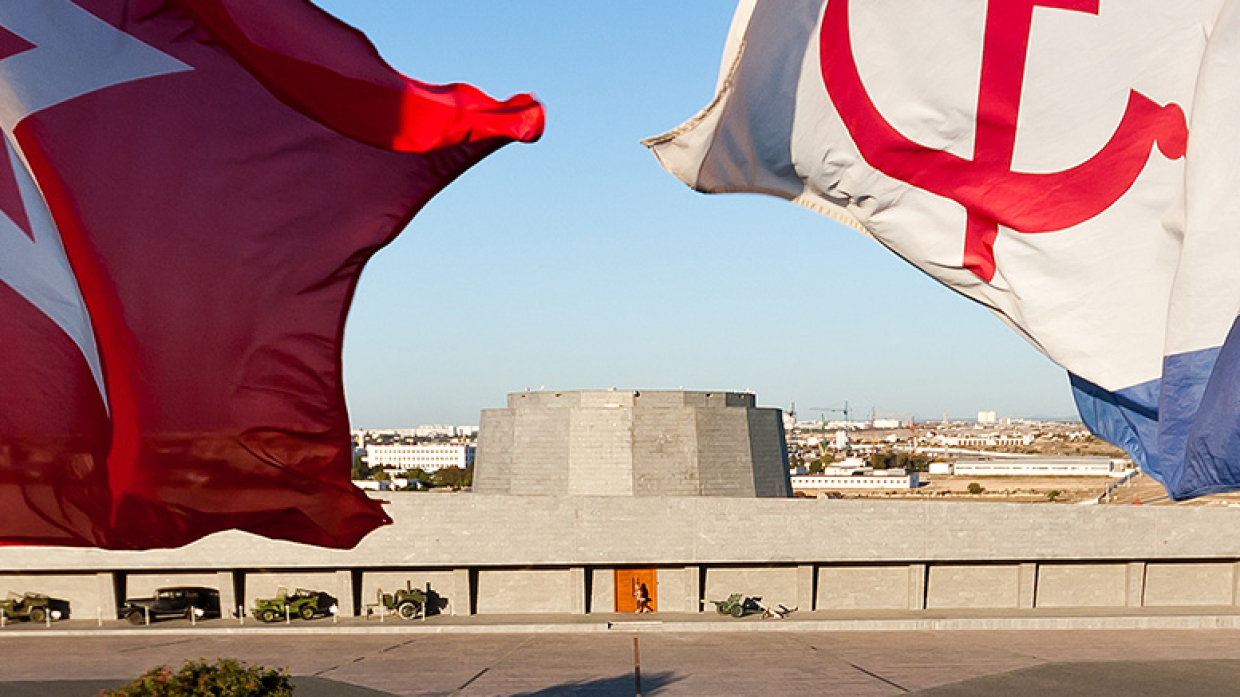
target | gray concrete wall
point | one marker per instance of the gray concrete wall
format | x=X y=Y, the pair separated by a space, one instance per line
x=534 y=554
x=600 y=452
x=1082 y=585
x=863 y=588
x=973 y=586
x=520 y=591
x=774 y=584
x=1170 y=585
x=725 y=461
x=540 y=450
x=678 y=589
x=769 y=453
x=665 y=451
x=90 y=595
x=602 y=590
x=143 y=585
x=495 y=434
x=462 y=530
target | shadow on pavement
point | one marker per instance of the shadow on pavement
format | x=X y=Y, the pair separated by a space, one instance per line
x=652 y=684
x=1103 y=679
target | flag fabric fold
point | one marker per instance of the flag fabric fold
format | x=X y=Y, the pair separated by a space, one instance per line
x=189 y=192
x=1069 y=164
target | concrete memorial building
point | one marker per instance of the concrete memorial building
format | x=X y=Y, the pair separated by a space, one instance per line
x=632 y=443
x=596 y=493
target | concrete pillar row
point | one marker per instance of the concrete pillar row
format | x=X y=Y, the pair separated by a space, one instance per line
x=1027 y=586
x=578 y=586
x=344 y=593
x=460 y=602
x=1134 y=595
x=917 y=586
x=806 y=576
x=226 y=582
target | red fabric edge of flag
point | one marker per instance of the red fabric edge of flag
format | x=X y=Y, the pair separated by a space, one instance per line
x=385 y=108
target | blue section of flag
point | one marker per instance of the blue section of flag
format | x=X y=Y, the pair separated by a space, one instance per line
x=1128 y=418
x=1184 y=429
x=1212 y=462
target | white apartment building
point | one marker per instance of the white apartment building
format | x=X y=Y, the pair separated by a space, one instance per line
x=1042 y=467
x=427 y=457
x=812 y=482
x=985 y=440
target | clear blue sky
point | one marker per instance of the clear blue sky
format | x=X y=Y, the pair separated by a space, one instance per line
x=578 y=263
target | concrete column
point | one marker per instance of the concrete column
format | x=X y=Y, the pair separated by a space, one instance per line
x=577 y=584
x=806 y=574
x=693 y=582
x=1027 y=586
x=105 y=585
x=917 y=586
x=693 y=588
x=1235 y=583
x=225 y=581
x=603 y=590
x=1134 y=595
x=344 y=593
x=459 y=602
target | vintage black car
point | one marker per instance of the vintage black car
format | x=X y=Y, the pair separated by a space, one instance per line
x=188 y=601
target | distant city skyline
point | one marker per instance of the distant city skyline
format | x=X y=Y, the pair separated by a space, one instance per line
x=577 y=263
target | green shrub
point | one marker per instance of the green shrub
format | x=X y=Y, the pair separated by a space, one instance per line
x=224 y=678
x=975 y=488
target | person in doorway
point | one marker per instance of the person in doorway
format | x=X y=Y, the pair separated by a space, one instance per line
x=641 y=596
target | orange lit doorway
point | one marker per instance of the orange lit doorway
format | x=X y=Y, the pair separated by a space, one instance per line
x=626 y=601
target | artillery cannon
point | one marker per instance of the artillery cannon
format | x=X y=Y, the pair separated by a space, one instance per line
x=34 y=607
x=302 y=603
x=738 y=605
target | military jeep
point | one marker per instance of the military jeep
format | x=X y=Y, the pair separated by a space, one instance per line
x=302 y=603
x=410 y=602
x=34 y=607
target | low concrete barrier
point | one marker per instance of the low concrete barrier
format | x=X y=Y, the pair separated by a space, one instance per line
x=530 y=554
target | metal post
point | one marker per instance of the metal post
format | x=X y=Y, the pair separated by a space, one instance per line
x=47 y=618
x=193 y=617
x=147 y=610
x=637 y=670
x=240 y=614
x=288 y=617
x=99 y=615
x=3 y=619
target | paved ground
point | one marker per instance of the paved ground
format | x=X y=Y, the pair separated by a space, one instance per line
x=1097 y=663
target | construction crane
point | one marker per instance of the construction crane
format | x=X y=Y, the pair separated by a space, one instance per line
x=824 y=410
x=847 y=422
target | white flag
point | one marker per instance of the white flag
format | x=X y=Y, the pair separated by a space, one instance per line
x=1067 y=163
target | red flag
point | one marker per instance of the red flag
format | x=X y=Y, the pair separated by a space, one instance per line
x=188 y=193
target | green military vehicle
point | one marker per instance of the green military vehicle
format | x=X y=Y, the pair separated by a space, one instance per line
x=738 y=605
x=411 y=602
x=302 y=603
x=34 y=607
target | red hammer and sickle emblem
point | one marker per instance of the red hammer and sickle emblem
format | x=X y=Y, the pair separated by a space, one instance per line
x=986 y=186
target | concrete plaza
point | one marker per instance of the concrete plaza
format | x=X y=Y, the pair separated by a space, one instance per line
x=963 y=663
